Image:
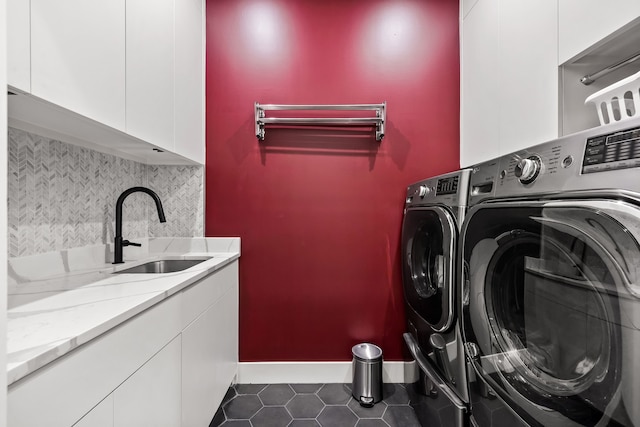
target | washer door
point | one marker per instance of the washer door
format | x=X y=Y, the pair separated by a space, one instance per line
x=551 y=309
x=428 y=251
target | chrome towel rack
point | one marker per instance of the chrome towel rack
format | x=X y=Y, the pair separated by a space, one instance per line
x=379 y=119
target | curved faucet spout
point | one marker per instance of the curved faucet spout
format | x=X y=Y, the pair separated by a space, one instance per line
x=119 y=243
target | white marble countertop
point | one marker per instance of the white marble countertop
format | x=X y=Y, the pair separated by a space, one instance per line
x=59 y=301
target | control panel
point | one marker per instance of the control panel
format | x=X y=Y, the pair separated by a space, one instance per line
x=568 y=164
x=449 y=189
x=447 y=185
x=616 y=150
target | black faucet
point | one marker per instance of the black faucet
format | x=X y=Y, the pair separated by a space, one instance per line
x=118 y=241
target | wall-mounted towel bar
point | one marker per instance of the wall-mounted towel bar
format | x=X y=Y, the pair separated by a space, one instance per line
x=379 y=119
x=590 y=78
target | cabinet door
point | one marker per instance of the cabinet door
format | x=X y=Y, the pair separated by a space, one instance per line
x=151 y=396
x=100 y=416
x=528 y=79
x=209 y=359
x=583 y=23
x=70 y=386
x=228 y=332
x=18 y=45
x=78 y=57
x=509 y=83
x=480 y=62
x=149 y=71
x=466 y=6
x=189 y=79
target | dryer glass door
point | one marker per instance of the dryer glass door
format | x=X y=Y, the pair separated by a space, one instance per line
x=428 y=252
x=551 y=308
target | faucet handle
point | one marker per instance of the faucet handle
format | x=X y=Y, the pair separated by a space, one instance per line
x=128 y=243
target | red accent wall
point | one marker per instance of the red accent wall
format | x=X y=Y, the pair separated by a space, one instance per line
x=319 y=210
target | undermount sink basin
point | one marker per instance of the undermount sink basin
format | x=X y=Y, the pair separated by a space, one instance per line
x=163 y=266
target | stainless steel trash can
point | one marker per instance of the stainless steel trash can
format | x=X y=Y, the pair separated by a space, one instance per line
x=367 y=373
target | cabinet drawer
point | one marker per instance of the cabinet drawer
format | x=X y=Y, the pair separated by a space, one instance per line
x=69 y=387
x=199 y=296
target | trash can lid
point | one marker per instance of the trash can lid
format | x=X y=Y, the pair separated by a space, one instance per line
x=366 y=351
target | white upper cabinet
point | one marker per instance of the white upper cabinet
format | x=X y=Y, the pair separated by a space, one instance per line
x=78 y=57
x=583 y=23
x=529 y=77
x=18 y=45
x=466 y=6
x=479 y=79
x=189 y=79
x=509 y=77
x=134 y=68
x=150 y=71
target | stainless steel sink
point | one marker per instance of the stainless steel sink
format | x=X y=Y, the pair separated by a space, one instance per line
x=163 y=266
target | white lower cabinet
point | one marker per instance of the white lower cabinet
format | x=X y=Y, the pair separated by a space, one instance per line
x=151 y=396
x=168 y=366
x=209 y=359
x=100 y=416
x=68 y=388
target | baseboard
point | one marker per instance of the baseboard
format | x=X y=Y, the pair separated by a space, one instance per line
x=318 y=372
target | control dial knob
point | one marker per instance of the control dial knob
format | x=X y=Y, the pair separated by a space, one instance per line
x=527 y=170
x=423 y=191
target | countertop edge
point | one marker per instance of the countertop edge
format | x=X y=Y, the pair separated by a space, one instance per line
x=24 y=368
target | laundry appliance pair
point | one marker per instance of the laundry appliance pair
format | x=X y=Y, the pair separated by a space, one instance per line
x=546 y=295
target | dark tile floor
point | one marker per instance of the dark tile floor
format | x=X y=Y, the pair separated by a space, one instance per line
x=307 y=405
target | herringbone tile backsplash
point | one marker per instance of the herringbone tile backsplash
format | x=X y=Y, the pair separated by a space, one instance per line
x=62 y=196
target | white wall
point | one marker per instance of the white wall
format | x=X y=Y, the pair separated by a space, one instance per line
x=3 y=212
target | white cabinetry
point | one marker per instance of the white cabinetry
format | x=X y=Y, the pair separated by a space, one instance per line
x=100 y=416
x=189 y=79
x=69 y=387
x=584 y=23
x=509 y=77
x=479 y=80
x=168 y=366
x=151 y=396
x=18 y=45
x=118 y=76
x=466 y=6
x=78 y=57
x=150 y=73
x=209 y=345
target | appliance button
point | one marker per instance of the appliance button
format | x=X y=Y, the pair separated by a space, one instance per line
x=594 y=151
x=567 y=161
x=594 y=160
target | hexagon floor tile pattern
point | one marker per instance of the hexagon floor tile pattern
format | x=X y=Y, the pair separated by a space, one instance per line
x=312 y=405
